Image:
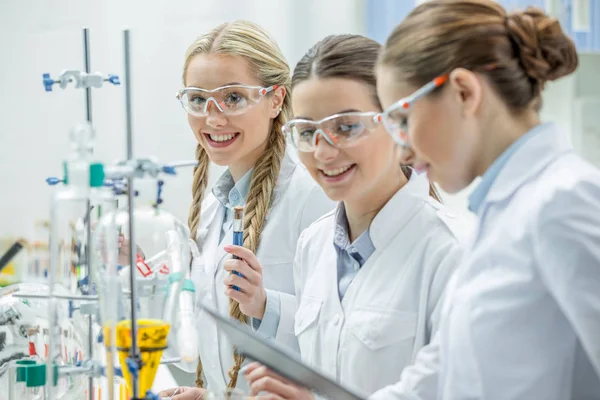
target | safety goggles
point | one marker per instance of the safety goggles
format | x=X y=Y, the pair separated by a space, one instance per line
x=230 y=99
x=395 y=117
x=339 y=130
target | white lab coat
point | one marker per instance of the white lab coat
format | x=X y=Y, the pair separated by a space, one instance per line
x=522 y=316
x=298 y=202
x=391 y=307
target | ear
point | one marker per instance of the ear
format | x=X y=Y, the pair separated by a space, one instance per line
x=277 y=97
x=468 y=90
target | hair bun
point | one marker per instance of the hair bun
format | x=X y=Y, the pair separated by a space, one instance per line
x=545 y=52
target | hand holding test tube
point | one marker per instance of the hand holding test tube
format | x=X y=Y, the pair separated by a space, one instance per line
x=244 y=284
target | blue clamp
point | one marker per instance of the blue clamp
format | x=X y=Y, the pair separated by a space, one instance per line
x=48 y=82
x=72 y=308
x=168 y=169
x=151 y=396
x=114 y=79
x=159 y=200
x=54 y=181
x=132 y=366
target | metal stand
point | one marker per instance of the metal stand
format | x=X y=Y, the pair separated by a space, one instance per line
x=134 y=351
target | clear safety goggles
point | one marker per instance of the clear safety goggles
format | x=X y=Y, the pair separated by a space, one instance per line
x=339 y=130
x=230 y=99
x=395 y=117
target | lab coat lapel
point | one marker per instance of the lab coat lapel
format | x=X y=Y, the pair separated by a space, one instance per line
x=220 y=253
x=398 y=211
x=208 y=239
x=214 y=218
x=528 y=161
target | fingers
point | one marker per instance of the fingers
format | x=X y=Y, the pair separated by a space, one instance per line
x=274 y=386
x=260 y=371
x=254 y=277
x=239 y=296
x=269 y=396
x=250 y=367
x=245 y=255
x=167 y=392
x=189 y=393
x=240 y=282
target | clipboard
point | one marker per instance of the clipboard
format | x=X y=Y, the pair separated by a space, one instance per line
x=279 y=359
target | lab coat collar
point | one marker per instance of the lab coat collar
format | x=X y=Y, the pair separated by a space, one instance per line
x=210 y=224
x=533 y=156
x=288 y=165
x=399 y=210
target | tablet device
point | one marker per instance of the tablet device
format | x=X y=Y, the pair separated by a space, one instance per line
x=280 y=359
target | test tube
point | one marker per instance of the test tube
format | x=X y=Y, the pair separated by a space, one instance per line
x=238 y=234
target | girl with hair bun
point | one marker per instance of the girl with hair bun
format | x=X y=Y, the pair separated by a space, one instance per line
x=461 y=81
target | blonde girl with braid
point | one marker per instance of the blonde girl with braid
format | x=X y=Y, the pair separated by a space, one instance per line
x=236 y=85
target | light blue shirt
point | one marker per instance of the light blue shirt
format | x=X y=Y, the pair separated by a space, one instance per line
x=478 y=196
x=350 y=258
x=231 y=194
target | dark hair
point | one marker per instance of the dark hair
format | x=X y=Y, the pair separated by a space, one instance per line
x=519 y=52
x=345 y=56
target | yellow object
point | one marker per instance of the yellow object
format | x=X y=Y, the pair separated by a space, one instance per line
x=8 y=275
x=151 y=340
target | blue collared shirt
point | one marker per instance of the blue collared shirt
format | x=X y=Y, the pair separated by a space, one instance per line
x=231 y=194
x=350 y=256
x=478 y=196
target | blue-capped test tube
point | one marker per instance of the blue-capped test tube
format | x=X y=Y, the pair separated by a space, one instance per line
x=238 y=234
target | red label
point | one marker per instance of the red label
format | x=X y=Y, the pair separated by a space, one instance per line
x=32 y=349
x=142 y=266
x=164 y=269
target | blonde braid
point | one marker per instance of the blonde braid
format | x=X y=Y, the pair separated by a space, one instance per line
x=260 y=198
x=199 y=183
x=249 y=41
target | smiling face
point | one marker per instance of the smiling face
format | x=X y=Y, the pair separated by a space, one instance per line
x=355 y=173
x=237 y=140
x=443 y=137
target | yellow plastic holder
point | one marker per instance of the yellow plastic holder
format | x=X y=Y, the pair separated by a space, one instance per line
x=151 y=340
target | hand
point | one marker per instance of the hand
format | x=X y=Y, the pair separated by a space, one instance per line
x=183 y=393
x=251 y=296
x=262 y=379
x=124 y=251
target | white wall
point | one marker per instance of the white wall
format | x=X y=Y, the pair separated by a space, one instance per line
x=39 y=36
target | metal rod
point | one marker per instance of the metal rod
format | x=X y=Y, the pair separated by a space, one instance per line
x=52 y=315
x=134 y=352
x=88 y=115
x=86 y=63
x=170 y=360
x=191 y=163
x=12 y=380
x=74 y=371
x=55 y=296
x=128 y=95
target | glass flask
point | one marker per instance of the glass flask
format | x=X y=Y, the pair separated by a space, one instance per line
x=74 y=209
x=24 y=327
x=161 y=264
